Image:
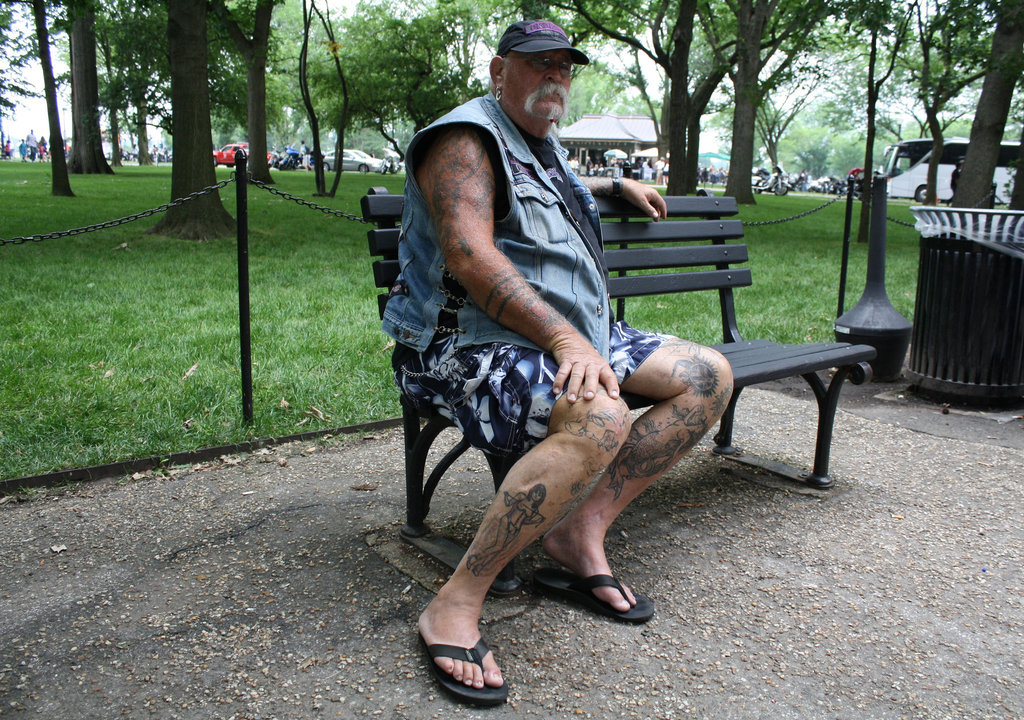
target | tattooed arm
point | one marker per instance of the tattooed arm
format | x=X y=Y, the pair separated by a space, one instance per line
x=458 y=183
x=643 y=196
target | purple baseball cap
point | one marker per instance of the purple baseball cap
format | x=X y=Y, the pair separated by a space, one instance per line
x=530 y=36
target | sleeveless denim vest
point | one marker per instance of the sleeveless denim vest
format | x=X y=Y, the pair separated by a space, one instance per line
x=538 y=236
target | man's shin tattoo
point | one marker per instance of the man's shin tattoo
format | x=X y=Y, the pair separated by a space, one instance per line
x=494 y=538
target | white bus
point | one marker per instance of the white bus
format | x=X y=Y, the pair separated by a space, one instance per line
x=906 y=165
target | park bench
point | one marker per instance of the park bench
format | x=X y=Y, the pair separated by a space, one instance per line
x=693 y=250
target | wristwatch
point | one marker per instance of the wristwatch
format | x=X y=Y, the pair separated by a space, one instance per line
x=616 y=187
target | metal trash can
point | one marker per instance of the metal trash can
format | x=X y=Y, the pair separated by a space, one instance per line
x=967 y=342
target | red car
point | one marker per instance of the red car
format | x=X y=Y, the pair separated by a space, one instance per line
x=226 y=155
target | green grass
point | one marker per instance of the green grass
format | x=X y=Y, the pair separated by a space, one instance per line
x=98 y=332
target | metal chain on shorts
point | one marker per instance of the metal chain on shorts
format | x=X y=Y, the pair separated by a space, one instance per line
x=305 y=203
x=119 y=221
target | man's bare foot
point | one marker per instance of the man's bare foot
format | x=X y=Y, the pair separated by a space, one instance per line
x=442 y=624
x=582 y=551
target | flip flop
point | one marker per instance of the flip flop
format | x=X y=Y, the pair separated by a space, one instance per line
x=580 y=590
x=486 y=695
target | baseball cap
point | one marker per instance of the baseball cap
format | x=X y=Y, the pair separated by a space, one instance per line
x=529 y=36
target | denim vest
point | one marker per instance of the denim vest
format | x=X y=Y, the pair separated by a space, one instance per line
x=538 y=236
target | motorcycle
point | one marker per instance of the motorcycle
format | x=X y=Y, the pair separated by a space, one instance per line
x=290 y=159
x=776 y=182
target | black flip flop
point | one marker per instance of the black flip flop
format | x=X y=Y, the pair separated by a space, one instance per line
x=486 y=695
x=580 y=590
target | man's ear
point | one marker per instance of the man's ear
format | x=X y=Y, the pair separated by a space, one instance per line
x=497 y=70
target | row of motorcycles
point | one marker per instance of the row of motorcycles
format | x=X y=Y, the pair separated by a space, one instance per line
x=779 y=182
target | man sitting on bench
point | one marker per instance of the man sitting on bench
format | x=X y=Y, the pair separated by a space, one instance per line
x=504 y=325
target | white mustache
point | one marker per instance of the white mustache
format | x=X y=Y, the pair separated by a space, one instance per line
x=549 y=88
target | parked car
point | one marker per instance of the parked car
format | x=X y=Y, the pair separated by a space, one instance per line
x=356 y=161
x=226 y=155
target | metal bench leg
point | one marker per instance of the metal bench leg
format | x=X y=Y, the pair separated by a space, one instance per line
x=828 y=402
x=415 y=513
x=723 y=438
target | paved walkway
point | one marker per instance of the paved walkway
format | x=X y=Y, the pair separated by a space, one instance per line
x=274 y=586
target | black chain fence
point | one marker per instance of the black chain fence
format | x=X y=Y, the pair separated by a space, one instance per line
x=119 y=221
x=804 y=214
x=21 y=239
x=303 y=202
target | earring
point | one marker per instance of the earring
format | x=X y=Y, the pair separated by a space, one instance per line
x=497 y=93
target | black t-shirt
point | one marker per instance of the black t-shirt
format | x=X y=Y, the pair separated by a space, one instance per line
x=545 y=153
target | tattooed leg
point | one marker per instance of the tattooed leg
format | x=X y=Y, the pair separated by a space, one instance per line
x=538 y=490
x=693 y=384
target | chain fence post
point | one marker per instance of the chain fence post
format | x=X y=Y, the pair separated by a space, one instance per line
x=242 y=221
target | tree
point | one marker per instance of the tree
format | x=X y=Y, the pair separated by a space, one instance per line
x=307 y=100
x=132 y=39
x=60 y=184
x=205 y=217
x=765 y=35
x=662 y=30
x=15 y=55
x=1005 y=64
x=886 y=26
x=253 y=47
x=86 y=141
x=774 y=116
x=951 y=59
x=425 y=68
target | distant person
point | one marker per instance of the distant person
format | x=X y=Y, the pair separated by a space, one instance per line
x=23 y=150
x=33 y=146
x=43 y=150
x=954 y=179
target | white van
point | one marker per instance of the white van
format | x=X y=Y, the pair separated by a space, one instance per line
x=906 y=165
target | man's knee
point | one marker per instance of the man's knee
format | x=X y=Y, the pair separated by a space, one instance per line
x=600 y=425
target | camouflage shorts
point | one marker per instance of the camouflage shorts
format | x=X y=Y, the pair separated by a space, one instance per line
x=499 y=395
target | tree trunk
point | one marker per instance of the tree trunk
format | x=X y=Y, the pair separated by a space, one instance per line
x=115 y=139
x=680 y=107
x=307 y=101
x=60 y=184
x=142 y=130
x=748 y=57
x=111 y=99
x=993 y=107
x=86 y=140
x=931 y=181
x=204 y=217
x=254 y=53
x=1017 y=197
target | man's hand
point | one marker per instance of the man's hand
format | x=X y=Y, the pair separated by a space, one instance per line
x=645 y=197
x=581 y=370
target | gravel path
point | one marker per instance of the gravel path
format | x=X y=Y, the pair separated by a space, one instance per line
x=273 y=586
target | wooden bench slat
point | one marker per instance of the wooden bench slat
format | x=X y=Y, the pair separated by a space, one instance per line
x=648 y=258
x=666 y=283
x=382 y=208
x=385 y=272
x=782 y=361
x=670 y=231
x=384 y=241
x=678 y=205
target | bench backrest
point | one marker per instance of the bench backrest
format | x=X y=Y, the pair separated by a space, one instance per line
x=688 y=251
